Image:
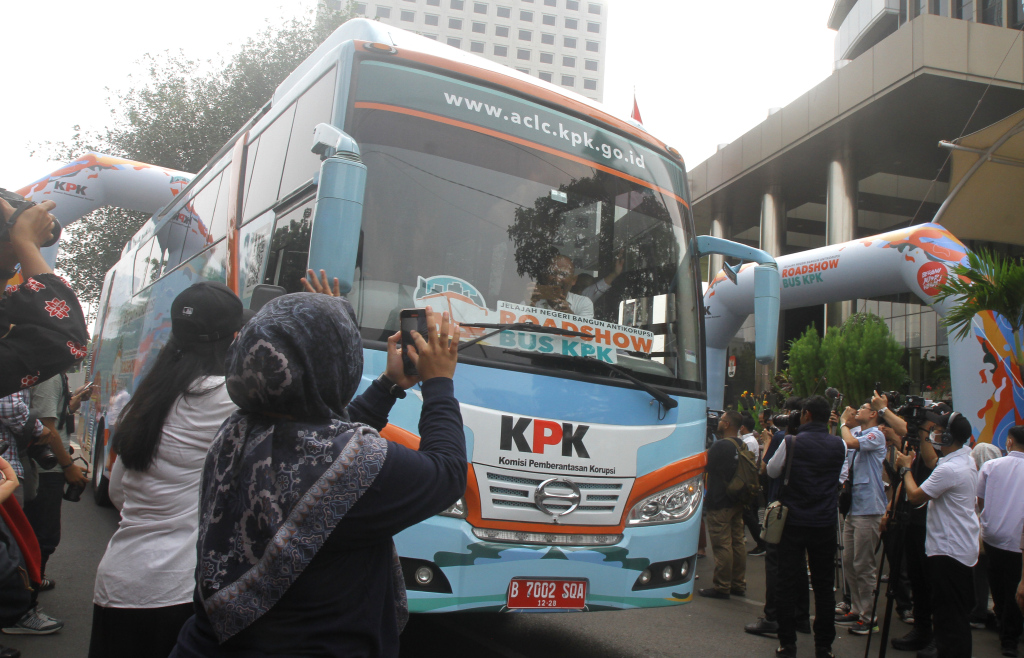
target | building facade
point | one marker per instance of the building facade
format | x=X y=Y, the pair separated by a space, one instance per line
x=859 y=154
x=559 y=41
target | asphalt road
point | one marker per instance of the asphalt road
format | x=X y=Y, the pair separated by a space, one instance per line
x=703 y=628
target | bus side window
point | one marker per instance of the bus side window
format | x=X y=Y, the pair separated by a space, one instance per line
x=315 y=106
x=289 y=247
x=219 y=220
x=267 y=167
x=144 y=265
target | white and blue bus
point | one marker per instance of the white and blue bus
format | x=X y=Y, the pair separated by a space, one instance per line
x=442 y=178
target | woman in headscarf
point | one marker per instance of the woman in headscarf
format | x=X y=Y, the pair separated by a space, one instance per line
x=301 y=496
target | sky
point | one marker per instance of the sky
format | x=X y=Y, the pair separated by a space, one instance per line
x=704 y=71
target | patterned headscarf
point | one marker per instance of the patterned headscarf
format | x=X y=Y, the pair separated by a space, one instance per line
x=286 y=468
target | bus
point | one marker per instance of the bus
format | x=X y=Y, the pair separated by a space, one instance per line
x=559 y=235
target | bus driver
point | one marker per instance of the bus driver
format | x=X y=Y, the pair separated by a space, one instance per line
x=553 y=289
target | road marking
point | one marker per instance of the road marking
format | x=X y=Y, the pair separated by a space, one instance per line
x=481 y=640
x=759 y=604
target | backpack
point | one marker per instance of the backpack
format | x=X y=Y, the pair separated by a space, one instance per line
x=745 y=484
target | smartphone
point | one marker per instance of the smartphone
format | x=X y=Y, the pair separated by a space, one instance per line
x=411 y=319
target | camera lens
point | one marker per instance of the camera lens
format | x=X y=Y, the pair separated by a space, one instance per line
x=56 y=234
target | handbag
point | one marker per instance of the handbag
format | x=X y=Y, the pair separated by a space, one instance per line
x=775 y=514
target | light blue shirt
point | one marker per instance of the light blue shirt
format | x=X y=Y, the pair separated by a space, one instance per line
x=868 y=488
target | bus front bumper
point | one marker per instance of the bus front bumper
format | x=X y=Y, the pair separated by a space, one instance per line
x=479 y=572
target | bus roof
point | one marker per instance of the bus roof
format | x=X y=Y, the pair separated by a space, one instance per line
x=414 y=46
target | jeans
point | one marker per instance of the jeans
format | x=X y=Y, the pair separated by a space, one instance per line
x=952 y=600
x=820 y=546
x=771 y=587
x=1004 y=568
x=43 y=513
x=725 y=529
x=753 y=525
x=860 y=536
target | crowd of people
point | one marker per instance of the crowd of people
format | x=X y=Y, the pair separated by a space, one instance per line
x=258 y=500
x=947 y=515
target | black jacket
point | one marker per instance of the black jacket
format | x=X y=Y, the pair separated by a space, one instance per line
x=812 y=494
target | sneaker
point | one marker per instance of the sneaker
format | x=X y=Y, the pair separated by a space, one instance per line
x=980 y=625
x=712 y=593
x=842 y=608
x=762 y=627
x=848 y=619
x=1010 y=650
x=820 y=652
x=738 y=592
x=930 y=651
x=906 y=616
x=757 y=551
x=47 y=584
x=786 y=651
x=34 y=622
x=863 y=628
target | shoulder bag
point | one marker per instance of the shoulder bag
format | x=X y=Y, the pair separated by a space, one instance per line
x=775 y=514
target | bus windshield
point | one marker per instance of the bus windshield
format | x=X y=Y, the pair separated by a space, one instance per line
x=499 y=230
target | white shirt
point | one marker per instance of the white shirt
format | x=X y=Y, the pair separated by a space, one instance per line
x=1002 y=518
x=953 y=528
x=750 y=441
x=151 y=559
x=578 y=305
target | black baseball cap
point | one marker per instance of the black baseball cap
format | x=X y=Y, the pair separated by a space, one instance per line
x=207 y=311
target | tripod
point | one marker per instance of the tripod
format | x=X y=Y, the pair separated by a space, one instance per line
x=840 y=584
x=895 y=532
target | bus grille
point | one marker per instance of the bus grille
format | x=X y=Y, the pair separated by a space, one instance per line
x=509 y=495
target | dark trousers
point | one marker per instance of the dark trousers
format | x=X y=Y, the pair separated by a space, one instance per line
x=1004 y=570
x=133 y=632
x=952 y=600
x=771 y=587
x=43 y=513
x=753 y=525
x=917 y=570
x=979 y=572
x=820 y=546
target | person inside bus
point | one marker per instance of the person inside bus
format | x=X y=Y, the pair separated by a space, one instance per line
x=144 y=583
x=553 y=289
x=301 y=495
x=42 y=328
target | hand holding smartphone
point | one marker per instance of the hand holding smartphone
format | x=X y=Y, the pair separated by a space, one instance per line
x=411 y=319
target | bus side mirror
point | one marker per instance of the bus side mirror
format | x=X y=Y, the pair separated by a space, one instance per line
x=338 y=217
x=767 y=286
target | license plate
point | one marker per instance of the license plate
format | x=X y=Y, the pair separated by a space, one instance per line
x=540 y=594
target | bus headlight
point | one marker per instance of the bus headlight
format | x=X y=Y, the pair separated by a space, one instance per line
x=457 y=510
x=673 y=505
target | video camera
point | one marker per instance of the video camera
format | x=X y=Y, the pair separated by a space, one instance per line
x=713 y=417
x=914 y=413
x=21 y=204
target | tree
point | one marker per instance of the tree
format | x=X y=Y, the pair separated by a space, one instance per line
x=178 y=116
x=861 y=353
x=988 y=282
x=806 y=365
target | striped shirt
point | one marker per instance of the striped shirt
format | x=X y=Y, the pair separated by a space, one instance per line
x=13 y=416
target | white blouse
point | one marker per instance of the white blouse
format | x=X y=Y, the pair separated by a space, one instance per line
x=150 y=561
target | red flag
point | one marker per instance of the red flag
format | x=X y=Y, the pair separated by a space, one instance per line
x=636 y=111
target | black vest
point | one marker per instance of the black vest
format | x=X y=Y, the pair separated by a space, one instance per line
x=812 y=494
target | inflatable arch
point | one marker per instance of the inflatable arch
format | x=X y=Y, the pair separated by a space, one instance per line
x=95 y=180
x=986 y=383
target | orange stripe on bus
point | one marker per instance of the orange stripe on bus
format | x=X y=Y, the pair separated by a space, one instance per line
x=401 y=436
x=365 y=105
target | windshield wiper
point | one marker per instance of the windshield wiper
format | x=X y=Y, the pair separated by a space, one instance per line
x=654 y=392
x=516 y=326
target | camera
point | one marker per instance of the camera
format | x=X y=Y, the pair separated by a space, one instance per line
x=43 y=455
x=20 y=205
x=713 y=417
x=789 y=422
x=914 y=413
x=893 y=397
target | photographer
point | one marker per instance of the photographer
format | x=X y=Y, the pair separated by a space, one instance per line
x=914 y=531
x=772 y=437
x=953 y=532
x=42 y=329
x=815 y=459
x=862 y=527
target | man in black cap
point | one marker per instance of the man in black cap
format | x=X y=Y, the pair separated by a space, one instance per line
x=953 y=532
